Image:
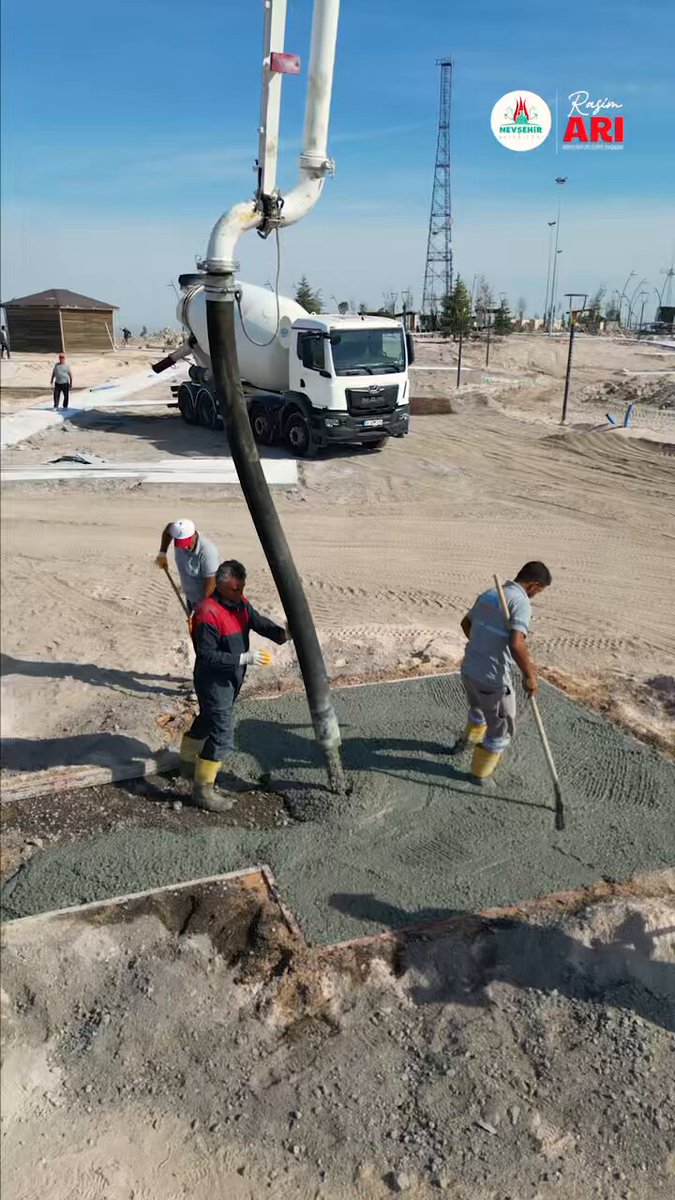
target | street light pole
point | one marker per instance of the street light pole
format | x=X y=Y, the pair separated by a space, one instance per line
x=568 y=373
x=548 y=272
x=623 y=293
x=552 y=304
x=561 y=179
x=632 y=300
x=489 y=311
x=642 y=310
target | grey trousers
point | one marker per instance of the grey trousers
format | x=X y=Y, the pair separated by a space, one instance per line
x=494 y=708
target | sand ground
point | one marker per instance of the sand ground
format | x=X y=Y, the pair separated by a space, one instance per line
x=508 y=1064
x=24 y=378
x=392 y=548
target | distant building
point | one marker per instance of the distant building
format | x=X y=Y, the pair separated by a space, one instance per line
x=409 y=318
x=58 y=320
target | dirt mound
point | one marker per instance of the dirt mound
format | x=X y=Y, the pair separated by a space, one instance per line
x=490 y=1057
x=628 y=448
x=656 y=392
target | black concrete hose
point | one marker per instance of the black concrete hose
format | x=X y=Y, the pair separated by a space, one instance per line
x=232 y=405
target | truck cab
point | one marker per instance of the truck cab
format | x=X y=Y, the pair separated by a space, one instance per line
x=348 y=381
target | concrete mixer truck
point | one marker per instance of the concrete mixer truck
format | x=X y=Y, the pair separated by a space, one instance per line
x=310 y=381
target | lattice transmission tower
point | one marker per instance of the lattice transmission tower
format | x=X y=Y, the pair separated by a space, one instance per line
x=438 y=270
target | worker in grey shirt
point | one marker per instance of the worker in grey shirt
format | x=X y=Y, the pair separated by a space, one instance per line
x=62 y=378
x=494 y=645
x=197 y=559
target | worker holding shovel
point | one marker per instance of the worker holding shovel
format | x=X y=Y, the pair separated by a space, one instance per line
x=196 y=559
x=494 y=644
x=221 y=627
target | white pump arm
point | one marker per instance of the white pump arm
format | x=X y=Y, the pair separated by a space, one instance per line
x=270 y=104
x=314 y=162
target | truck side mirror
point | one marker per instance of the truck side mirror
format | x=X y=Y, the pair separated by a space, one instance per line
x=410 y=347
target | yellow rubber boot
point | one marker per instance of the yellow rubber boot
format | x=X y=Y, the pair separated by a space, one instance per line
x=204 y=793
x=471 y=736
x=484 y=762
x=474 y=734
x=189 y=749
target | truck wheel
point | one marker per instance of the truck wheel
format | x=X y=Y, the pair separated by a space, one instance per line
x=298 y=437
x=207 y=410
x=262 y=425
x=186 y=403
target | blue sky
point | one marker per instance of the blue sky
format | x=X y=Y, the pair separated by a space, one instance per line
x=128 y=128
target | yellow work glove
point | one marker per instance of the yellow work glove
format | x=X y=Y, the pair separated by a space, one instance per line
x=255 y=658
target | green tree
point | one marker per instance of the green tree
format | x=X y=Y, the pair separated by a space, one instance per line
x=484 y=300
x=596 y=301
x=343 y=307
x=363 y=308
x=306 y=296
x=456 y=309
x=503 y=321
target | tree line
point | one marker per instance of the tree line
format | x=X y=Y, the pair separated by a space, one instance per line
x=312 y=301
x=455 y=315
x=459 y=312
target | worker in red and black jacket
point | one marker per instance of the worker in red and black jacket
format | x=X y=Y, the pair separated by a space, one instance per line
x=220 y=631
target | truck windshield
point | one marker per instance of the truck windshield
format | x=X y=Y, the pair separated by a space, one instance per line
x=368 y=351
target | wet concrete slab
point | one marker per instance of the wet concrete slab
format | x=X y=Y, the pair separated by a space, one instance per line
x=415 y=840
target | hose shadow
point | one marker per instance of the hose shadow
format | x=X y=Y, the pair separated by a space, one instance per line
x=281 y=749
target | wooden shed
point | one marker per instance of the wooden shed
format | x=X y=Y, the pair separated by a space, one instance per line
x=55 y=320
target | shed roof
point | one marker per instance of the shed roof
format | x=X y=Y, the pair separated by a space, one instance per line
x=57 y=298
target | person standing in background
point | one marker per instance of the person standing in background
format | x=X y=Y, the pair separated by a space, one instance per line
x=4 y=344
x=62 y=378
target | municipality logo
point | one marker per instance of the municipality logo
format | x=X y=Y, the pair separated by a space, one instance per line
x=521 y=120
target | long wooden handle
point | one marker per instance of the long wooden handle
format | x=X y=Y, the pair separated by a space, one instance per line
x=535 y=707
x=181 y=601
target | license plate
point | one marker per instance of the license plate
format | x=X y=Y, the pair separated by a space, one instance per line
x=373 y=423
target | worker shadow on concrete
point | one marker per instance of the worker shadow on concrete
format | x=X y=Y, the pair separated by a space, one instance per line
x=86 y=749
x=106 y=677
x=428 y=763
x=456 y=964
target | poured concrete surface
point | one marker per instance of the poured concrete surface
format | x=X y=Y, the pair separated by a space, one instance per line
x=415 y=840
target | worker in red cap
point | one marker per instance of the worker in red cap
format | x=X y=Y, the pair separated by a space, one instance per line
x=62 y=378
x=197 y=559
